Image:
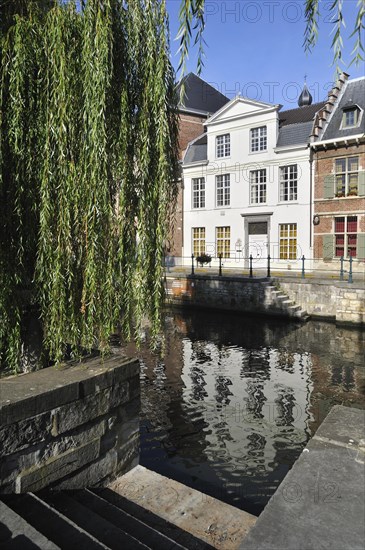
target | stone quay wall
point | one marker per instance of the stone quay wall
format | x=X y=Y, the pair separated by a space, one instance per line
x=334 y=301
x=69 y=427
x=342 y=302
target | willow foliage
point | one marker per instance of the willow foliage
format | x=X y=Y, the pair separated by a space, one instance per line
x=88 y=148
x=193 y=18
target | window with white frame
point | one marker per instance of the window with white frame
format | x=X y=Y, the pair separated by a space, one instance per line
x=345 y=236
x=223 y=190
x=198 y=241
x=289 y=183
x=223 y=145
x=351 y=117
x=258 y=139
x=223 y=241
x=347 y=176
x=288 y=241
x=258 y=186
x=198 y=192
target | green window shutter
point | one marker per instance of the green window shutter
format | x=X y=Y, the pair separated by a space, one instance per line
x=329 y=187
x=361 y=183
x=360 y=252
x=328 y=246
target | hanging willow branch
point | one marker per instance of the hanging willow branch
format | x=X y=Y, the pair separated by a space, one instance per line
x=192 y=23
x=88 y=148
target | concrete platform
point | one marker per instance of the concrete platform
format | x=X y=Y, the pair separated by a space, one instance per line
x=210 y=520
x=320 y=503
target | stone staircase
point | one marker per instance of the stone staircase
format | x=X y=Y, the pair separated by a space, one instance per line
x=85 y=520
x=281 y=304
x=141 y=509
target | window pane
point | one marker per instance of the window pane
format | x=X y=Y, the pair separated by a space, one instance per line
x=340 y=165
x=257 y=228
x=339 y=225
x=352 y=224
x=353 y=181
x=353 y=163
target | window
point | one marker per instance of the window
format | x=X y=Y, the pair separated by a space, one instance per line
x=223 y=189
x=347 y=176
x=198 y=241
x=288 y=241
x=198 y=192
x=289 y=183
x=346 y=236
x=258 y=139
x=223 y=238
x=258 y=186
x=351 y=117
x=223 y=145
x=257 y=228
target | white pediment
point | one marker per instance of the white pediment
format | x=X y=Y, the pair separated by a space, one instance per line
x=240 y=107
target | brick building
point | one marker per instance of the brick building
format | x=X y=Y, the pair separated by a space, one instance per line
x=338 y=168
x=201 y=100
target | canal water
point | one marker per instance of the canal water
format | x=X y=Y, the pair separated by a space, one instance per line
x=235 y=399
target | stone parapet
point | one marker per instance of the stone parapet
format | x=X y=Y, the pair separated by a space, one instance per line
x=69 y=427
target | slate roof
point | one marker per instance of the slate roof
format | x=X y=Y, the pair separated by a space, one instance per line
x=201 y=96
x=294 y=134
x=197 y=151
x=354 y=94
x=295 y=125
x=300 y=114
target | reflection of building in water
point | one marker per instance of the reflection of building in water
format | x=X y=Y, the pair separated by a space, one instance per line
x=256 y=404
x=337 y=374
x=234 y=400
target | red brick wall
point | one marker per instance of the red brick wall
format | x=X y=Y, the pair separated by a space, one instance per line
x=190 y=127
x=327 y=209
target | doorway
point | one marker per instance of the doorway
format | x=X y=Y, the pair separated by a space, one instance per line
x=258 y=243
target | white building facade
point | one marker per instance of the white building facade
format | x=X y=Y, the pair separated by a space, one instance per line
x=247 y=185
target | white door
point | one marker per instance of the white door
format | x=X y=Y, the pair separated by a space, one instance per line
x=258 y=243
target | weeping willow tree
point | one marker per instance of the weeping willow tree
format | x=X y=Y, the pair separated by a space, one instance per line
x=88 y=141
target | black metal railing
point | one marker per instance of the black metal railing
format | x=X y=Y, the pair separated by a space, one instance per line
x=341 y=269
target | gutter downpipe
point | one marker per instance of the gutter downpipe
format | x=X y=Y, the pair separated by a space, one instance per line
x=311 y=199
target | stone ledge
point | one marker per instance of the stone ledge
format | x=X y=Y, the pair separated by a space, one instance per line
x=320 y=502
x=31 y=394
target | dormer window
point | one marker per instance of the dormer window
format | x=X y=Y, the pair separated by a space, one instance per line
x=351 y=117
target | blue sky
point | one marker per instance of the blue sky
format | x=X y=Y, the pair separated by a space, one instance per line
x=255 y=48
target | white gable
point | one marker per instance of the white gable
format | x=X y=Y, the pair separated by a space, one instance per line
x=240 y=107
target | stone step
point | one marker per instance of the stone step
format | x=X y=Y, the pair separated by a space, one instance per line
x=17 y=533
x=215 y=523
x=293 y=308
x=182 y=538
x=287 y=303
x=101 y=529
x=129 y=523
x=304 y=316
x=53 y=525
x=280 y=296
